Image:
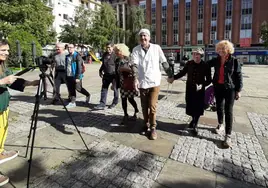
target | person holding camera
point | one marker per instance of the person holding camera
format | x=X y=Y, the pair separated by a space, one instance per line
x=13 y=82
x=198 y=77
x=74 y=76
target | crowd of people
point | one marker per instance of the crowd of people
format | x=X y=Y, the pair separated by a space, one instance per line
x=136 y=74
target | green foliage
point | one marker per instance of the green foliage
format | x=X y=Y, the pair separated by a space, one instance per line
x=27 y=15
x=98 y=28
x=104 y=27
x=25 y=40
x=264 y=33
x=78 y=30
x=136 y=21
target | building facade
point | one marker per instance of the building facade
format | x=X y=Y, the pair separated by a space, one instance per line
x=64 y=10
x=180 y=25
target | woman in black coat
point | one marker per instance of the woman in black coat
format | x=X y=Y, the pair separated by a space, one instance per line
x=198 y=77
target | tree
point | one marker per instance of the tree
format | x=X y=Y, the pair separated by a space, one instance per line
x=104 y=27
x=78 y=30
x=25 y=40
x=264 y=33
x=32 y=16
x=136 y=21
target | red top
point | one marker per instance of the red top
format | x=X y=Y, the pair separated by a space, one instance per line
x=221 y=73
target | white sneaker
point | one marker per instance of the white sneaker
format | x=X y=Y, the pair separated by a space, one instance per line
x=71 y=105
x=3 y=180
x=8 y=155
x=220 y=129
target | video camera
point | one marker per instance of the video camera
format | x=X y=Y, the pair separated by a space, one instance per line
x=42 y=62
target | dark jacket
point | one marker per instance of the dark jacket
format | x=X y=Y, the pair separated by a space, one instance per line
x=108 y=63
x=4 y=94
x=232 y=73
x=196 y=74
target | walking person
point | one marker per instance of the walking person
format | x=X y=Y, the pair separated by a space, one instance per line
x=228 y=83
x=59 y=66
x=146 y=59
x=198 y=77
x=74 y=76
x=125 y=77
x=13 y=82
x=108 y=74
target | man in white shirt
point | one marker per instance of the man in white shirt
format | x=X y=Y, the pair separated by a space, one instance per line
x=146 y=59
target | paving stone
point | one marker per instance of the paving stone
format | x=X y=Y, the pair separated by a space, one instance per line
x=259 y=123
x=242 y=161
x=102 y=168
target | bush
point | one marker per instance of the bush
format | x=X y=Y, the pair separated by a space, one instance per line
x=25 y=40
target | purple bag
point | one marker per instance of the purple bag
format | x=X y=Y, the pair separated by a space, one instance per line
x=209 y=97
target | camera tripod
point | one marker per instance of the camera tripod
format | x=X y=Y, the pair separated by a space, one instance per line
x=41 y=91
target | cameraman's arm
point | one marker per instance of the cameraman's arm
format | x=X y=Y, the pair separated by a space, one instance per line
x=20 y=84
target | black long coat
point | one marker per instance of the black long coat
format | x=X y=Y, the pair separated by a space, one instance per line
x=196 y=74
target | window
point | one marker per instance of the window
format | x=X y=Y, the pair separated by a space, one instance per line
x=199 y=38
x=164 y=22
x=175 y=22
x=213 y=28
x=228 y=19
x=142 y=5
x=200 y=26
x=65 y=16
x=200 y=16
x=187 y=22
x=246 y=18
x=153 y=37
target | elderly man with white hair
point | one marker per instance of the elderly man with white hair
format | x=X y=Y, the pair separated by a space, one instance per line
x=198 y=77
x=59 y=67
x=147 y=58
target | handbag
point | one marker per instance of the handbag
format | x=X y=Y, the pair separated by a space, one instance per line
x=128 y=81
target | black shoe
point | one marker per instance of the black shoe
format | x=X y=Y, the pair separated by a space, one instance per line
x=194 y=131
x=112 y=106
x=145 y=130
x=124 y=120
x=54 y=101
x=191 y=125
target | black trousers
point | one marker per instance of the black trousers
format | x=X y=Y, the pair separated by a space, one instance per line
x=131 y=101
x=73 y=87
x=106 y=81
x=60 y=77
x=224 y=103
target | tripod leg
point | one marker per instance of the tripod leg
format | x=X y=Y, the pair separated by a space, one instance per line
x=33 y=128
x=62 y=102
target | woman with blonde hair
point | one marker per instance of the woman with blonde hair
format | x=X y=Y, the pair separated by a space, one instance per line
x=125 y=78
x=227 y=81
